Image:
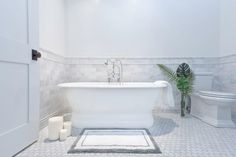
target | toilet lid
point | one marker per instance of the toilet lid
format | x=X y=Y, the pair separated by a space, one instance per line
x=218 y=94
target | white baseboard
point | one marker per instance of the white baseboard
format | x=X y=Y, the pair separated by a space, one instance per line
x=44 y=121
x=63 y=110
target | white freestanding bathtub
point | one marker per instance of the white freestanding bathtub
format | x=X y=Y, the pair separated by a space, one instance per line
x=112 y=105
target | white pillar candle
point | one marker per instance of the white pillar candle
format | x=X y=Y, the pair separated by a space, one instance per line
x=55 y=124
x=63 y=134
x=67 y=126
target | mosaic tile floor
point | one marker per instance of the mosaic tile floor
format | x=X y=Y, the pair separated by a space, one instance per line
x=176 y=137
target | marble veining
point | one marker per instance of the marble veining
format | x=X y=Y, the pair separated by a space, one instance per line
x=225 y=77
x=55 y=69
x=52 y=101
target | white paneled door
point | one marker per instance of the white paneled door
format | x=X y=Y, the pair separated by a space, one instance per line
x=19 y=75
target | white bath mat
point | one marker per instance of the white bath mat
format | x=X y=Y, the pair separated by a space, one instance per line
x=115 y=141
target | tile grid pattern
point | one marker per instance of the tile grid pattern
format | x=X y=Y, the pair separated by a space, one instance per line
x=176 y=137
x=55 y=69
x=52 y=72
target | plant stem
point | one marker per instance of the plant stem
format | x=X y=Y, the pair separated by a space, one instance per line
x=182 y=105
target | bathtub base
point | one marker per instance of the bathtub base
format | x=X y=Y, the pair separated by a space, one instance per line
x=112 y=105
x=112 y=121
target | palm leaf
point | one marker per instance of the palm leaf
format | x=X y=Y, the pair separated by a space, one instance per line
x=168 y=72
x=191 y=79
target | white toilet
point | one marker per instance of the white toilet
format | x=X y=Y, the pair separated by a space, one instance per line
x=210 y=106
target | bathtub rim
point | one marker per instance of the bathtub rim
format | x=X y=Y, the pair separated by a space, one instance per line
x=111 y=85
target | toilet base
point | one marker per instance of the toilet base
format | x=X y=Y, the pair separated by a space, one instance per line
x=216 y=123
x=212 y=111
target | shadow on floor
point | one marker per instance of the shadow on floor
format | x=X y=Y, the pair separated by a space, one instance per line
x=49 y=141
x=162 y=126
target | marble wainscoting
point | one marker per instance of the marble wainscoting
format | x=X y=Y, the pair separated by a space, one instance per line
x=225 y=78
x=135 y=69
x=56 y=69
x=52 y=72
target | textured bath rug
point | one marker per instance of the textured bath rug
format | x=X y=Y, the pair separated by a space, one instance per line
x=115 y=141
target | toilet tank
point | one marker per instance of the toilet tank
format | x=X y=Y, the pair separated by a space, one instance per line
x=203 y=81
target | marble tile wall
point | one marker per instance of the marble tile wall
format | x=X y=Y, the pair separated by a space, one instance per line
x=56 y=69
x=226 y=77
x=52 y=72
x=134 y=69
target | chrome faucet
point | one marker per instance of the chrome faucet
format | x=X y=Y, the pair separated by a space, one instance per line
x=117 y=70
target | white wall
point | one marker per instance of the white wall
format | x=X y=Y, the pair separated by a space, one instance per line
x=143 y=28
x=228 y=27
x=52 y=26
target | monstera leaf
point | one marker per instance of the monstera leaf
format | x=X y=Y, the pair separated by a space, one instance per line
x=183 y=70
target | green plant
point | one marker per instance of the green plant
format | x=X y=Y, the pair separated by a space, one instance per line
x=183 y=79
